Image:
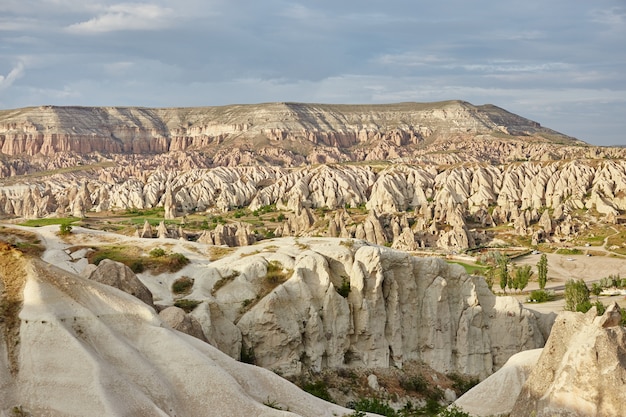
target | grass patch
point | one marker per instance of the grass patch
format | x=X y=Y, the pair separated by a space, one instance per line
x=347 y=243
x=134 y=258
x=277 y=274
x=49 y=221
x=218 y=252
x=471 y=269
x=182 y=285
x=187 y=305
x=567 y=251
x=26 y=242
x=223 y=281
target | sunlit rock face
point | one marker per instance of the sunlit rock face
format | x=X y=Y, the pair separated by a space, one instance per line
x=581 y=371
x=75 y=347
x=398 y=308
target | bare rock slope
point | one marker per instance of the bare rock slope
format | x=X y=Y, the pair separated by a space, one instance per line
x=74 y=347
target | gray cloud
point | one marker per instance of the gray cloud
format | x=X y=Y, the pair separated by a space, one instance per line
x=557 y=66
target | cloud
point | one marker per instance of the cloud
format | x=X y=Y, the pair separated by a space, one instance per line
x=410 y=59
x=125 y=16
x=614 y=17
x=9 y=79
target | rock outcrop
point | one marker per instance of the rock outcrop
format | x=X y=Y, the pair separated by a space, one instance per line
x=408 y=205
x=496 y=395
x=84 y=348
x=581 y=371
x=179 y=320
x=120 y=276
x=398 y=308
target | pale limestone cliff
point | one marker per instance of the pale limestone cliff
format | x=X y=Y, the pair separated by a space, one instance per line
x=399 y=308
x=581 y=370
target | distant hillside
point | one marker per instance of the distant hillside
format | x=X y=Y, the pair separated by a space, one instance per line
x=287 y=133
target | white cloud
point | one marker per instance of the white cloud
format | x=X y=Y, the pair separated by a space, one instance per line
x=14 y=74
x=125 y=16
x=410 y=59
x=513 y=66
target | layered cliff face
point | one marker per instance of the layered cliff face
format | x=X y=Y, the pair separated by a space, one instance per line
x=287 y=133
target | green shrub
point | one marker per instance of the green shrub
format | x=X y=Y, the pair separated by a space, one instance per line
x=577 y=296
x=462 y=383
x=65 y=229
x=137 y=266
x=373 y=405
x=453 y=411
x=157 y=252
x=601 y=308
x=176 y=261
x=182 y=285
x=187 y=305
x=319 y=389
x=540 y=296
x=414 y=383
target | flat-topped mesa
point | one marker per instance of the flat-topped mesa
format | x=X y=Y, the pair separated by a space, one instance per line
x=50 y=129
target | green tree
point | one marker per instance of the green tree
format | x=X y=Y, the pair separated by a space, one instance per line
x=542 y=271
x=65 y=229
x=503 y=271
x=596 y=289
x=522 y=276
x=577 y=296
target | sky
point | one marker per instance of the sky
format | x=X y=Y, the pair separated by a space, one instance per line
x=561 y=63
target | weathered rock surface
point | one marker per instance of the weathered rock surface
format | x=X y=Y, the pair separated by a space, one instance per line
x=581 y=371
x=87 y=349
x=406 y=206
x=399 y=308
x=496 y=395
x=120 y=276
x=183 y=322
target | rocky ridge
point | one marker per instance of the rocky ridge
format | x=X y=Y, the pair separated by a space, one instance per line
x=408 y=207
x=310 y=304
x=286 y=134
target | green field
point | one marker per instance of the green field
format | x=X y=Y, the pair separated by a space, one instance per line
x=49 y=221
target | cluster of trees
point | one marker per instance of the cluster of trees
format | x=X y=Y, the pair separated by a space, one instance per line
x=515 y=278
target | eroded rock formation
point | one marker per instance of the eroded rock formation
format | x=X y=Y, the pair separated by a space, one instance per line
x=581 y=371
x=398 y=308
